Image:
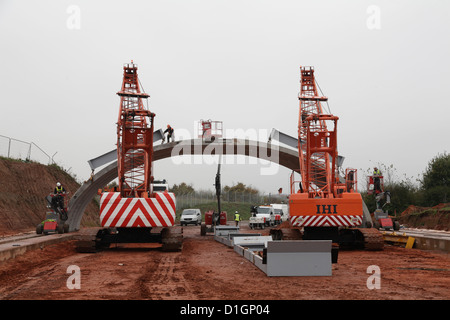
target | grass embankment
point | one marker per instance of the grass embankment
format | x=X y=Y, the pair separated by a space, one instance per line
x=437 y=217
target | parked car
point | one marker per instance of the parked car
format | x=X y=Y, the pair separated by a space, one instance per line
x=191 y=216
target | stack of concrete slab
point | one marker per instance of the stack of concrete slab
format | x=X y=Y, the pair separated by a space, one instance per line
x=291 y=258
x=252 y=242
x=224 y=230
x=280 y=258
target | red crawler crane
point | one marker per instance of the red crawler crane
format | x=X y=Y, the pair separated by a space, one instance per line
x=326 y=206
x=135 y=214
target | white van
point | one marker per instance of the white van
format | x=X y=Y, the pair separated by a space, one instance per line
x=191 y=216
x=281 y=209
x=267 y=213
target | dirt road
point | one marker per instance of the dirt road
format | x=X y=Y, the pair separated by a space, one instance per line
x=208 y=270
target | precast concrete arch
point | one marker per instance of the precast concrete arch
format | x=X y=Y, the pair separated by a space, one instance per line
x=283 y=156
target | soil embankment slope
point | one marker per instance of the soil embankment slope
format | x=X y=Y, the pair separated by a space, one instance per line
x=437 y=217
x=23 y=188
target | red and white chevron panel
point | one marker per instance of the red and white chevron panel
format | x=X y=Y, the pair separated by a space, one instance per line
x=116 y=211
x=326 y=221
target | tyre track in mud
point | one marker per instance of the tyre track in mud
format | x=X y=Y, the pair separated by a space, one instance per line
x=163 y=279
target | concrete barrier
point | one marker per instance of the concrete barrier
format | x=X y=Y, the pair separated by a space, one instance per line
x=12 y=249
x=423 y=239
x=299 y=258
x=432 y=244
x=225 y=230
x=294 y=258
x=252 y=242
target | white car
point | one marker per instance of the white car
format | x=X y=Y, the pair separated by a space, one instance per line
x=191 y=216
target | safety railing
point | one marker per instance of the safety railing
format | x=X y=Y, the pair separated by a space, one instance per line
x=23 y=150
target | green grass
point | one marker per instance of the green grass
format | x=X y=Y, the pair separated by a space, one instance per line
x=431 y=211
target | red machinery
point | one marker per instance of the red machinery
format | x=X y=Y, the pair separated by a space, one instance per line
x=214 y=218
x=380 y=218
x=326 y=206
x=375 y=184
x=209 y=130
x=130 y=214
x=55 y=219
x=209 y=218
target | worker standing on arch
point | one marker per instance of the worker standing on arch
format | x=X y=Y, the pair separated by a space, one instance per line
x=169 y=132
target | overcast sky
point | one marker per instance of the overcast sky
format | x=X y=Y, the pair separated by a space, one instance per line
x=384 y=65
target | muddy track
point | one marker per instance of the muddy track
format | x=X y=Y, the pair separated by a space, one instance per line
x=206 y=270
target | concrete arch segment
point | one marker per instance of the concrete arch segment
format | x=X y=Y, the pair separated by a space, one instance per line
x=278 y=154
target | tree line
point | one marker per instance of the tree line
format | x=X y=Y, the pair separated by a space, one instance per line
x=183 y=188
x=431 y=189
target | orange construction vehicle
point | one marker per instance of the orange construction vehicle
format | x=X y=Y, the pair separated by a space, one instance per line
x=326 y=205
x=135 y=213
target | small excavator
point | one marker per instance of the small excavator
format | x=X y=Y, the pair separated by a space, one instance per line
x=55 y=219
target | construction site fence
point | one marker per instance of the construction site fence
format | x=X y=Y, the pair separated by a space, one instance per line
x=192 y=199
x=22 y=150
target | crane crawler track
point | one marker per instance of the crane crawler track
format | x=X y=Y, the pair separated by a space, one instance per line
x=286 y=234
x=373 y=239
x=172 y=239
x=86 y=241
x=92 y=241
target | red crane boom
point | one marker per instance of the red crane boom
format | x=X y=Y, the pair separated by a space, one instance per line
x=134 y=137
x=315 y=140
